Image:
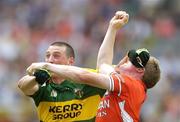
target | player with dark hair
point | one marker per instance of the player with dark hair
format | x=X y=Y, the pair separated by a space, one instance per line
x=126 y=83
x=69 y=50
x=56 y=98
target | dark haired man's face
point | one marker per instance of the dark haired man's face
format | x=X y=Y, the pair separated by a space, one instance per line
x=57 y=55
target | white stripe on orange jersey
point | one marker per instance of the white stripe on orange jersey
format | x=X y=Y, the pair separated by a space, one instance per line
x=125 y=116
x=119 y=80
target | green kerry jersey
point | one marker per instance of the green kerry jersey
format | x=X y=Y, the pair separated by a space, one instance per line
x=67 y=102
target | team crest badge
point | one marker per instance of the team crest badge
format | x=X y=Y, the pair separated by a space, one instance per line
x=78 y=92
x=53 y=93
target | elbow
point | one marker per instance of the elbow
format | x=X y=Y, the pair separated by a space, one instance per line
x=27 y=85
x=20 y=84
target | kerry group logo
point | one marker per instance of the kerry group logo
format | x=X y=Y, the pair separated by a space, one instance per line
x=66 y=111
x=71 y=110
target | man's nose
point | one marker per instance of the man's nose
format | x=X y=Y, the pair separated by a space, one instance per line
x=51 y=59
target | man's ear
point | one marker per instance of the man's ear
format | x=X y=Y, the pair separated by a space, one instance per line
x=124 y=60
x=71 y=61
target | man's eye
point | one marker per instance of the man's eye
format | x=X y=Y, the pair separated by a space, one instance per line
x=56 y=56
x=47 y=55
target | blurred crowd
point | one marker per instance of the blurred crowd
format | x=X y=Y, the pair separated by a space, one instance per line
x=27 y=27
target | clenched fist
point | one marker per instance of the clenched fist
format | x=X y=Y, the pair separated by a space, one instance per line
x=119 y=19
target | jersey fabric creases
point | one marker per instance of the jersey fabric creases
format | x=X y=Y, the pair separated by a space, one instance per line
x=66 y=102
x=123 y=102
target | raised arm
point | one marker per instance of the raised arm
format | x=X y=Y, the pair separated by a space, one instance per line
x=105 y=54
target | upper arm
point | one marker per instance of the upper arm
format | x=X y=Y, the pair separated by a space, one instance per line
x=80 y=75
x=28 y=85
x=95 y=79
x=106 y=69
x=111 y=82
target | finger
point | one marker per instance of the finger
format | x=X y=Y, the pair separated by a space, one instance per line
x=114 y=18
x=126 y=18
x=120 y=14
x=118 y=22
x=30 y=70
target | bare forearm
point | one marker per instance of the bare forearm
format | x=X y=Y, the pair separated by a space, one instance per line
x=80 y=75
x=105 y=54
x=67 y=72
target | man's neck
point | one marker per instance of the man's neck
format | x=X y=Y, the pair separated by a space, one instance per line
x=135 y=75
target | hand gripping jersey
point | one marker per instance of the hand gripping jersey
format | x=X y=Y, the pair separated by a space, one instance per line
x=67 y=102
x=123 y=102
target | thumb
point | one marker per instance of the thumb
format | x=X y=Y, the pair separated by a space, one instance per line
x=118 y=23
x=126 y=18
x=30 y=70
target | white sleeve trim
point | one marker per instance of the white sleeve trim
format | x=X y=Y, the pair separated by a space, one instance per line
x=119 y=80
x=111 y=84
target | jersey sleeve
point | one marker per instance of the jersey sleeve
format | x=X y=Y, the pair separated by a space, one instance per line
x=115 y=82
x=38 y=95
x=95 y=90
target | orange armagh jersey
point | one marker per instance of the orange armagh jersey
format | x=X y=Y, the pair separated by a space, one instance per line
x=123 y=102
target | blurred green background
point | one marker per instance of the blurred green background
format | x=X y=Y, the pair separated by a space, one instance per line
x=27 y=27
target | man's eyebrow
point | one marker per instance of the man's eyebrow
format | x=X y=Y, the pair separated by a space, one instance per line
x=47 y=52
x=53 y=52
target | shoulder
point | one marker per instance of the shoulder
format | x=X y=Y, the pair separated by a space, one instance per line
x=106 y=69
x=132 y=83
